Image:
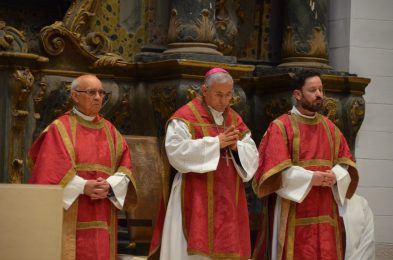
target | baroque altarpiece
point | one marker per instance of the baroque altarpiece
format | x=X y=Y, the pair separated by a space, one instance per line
x=151 y=56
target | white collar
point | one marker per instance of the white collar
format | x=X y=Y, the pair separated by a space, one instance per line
x=85 y=117
x=217 y=116
x=297 y=112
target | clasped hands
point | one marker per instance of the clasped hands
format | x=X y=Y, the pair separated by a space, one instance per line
x=325 y=179
x=229 y=138
x=96 y=189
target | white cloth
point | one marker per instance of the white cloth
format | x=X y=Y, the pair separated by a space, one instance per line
x=359 y=229
x=118 y=181
x=297 y=184
x=200 y=156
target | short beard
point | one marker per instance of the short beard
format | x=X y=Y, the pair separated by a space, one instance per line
x=311 y=107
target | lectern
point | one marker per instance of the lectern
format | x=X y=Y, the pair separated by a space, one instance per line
x=30 y=221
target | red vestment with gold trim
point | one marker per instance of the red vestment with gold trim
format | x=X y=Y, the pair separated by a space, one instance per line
x=72 y=146
x=214 y=206
x=312 y=229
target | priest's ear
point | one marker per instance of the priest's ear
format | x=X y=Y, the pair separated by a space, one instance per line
x=204 y=90
x=297 y=94
x=75 y=97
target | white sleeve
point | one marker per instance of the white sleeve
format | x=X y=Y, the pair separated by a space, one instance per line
x=296 y=183
x=119 y=183
x=72 y=190
x=342 y=183
x=248 y=155
x=188 y=155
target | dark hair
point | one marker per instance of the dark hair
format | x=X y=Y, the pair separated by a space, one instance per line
x=299 y=79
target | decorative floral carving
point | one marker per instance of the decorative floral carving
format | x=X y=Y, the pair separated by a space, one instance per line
x=330 y=107
x=289 y=42
x=23 y=81
x=356 y=112
x=318 y=43
x=109 y=60
x=226 y=28
x=174 y=26
x=206 y=30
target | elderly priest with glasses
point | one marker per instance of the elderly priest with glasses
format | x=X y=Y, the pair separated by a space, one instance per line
x=85 y=154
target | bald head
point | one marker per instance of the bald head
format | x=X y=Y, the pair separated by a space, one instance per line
x=87 y=94
x=84 y=80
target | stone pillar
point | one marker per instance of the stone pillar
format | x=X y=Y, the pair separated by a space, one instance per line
x=304 y=42
x=192 y=28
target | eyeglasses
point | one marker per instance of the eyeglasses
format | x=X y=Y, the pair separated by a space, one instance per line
x=93 y=92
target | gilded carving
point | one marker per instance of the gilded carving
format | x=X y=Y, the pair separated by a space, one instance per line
x=163 y=100
x=205 y=28
x=109 y=60
x=318 y=43
x=22 y=87
x=192 y=92
x=16 y=173
x=78 y=14
x=226 y=28
x=174 y=26
x=11 y=39
x=277 y=106
x=71 y=30
x=330 y=107
x=357 y=112
x=289 y=42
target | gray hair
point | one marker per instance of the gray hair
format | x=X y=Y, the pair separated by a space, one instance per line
x=218 y=77
x=74 y=84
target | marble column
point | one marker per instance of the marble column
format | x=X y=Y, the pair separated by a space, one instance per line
x=304 y=41
x=192 y=28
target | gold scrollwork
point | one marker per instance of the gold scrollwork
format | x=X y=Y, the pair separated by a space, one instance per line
x=109 y=60
x=192 y=92
x=72 y=30
x=330 y=106
x=357 y=112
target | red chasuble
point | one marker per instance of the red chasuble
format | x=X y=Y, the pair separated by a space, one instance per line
x=311 y=229
x=72 y=146
x=214 y=206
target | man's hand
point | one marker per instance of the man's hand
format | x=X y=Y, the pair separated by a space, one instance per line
x=229 y=138
x=325 y=179
x=96 y=189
